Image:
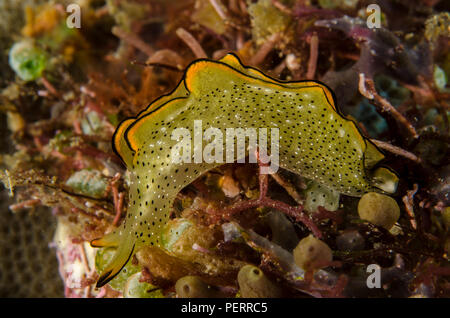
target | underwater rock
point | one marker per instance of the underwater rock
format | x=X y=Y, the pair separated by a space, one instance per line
x=283 y=231
x=28 y=266
x=382 y=52
x=196 y=244
x=162 y=266
x=350 y=241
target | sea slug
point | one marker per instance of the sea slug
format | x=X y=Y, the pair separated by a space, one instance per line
x=315 y=140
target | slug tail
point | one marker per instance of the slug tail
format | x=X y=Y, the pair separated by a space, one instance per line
x=121 y=258
x=109 y=240
x=372 y=156
x=385 y=179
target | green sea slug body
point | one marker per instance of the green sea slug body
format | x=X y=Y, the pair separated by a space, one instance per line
x=314 y=141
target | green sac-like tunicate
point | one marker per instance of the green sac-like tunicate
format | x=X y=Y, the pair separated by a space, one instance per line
x=135 y=289
x=92 y=124
x=195 y=287
x=312 y=253
x=379 y=209
x=88 y=182
x=319 y=195
x=253 y=283
x=440 y=78
x=173 y=231
x=27 y=60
